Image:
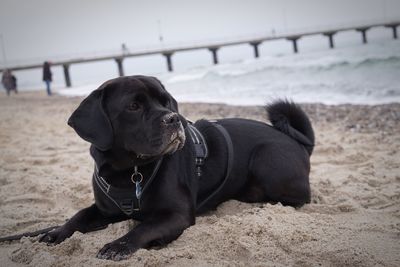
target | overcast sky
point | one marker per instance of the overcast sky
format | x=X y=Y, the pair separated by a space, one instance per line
x=40 y=29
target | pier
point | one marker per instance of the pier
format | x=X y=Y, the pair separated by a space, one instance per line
x=212 y=47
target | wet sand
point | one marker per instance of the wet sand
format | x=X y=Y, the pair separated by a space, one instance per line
x=353 y=219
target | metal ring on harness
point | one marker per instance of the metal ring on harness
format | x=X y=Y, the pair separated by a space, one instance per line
x=138 y=176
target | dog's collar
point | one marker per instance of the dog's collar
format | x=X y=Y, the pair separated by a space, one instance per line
x=122 y=198
x=200 y=147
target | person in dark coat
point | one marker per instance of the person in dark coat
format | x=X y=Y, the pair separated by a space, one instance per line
x=9 y=81
x=47 y=76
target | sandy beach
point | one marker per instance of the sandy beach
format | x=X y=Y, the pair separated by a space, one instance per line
x=353 y=219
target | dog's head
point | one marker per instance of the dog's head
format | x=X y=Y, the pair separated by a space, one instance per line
x=133 y=113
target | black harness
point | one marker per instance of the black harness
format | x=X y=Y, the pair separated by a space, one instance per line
x=129 y=203
x=123 y=198
x=200 y=147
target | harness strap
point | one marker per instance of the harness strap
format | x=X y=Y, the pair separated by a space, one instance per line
x=229 y=163
x=123 y=198
x=200 y=147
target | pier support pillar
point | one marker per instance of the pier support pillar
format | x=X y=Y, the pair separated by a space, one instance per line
x=255 y=46
x=364 y=34
x=120 y=66
x=330 y=36
x=169 y=61
x=66 y=75
x=214 y=50
x=394 y=28
x=294 y=40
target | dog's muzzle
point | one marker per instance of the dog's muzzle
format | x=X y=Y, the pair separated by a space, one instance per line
x=175 y=133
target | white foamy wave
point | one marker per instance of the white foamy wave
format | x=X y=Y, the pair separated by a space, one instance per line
x=186 y=77
x=83 y=90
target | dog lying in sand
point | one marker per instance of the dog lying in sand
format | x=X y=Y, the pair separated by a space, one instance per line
x=154 y=166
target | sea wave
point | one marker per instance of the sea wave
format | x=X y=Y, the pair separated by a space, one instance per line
x=272 y=64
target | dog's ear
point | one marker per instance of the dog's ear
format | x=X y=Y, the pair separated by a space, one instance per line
x=91 y=122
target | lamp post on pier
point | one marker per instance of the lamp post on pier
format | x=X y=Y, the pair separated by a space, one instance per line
x=3 y=50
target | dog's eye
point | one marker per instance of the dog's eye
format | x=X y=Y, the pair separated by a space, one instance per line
x=133 y=106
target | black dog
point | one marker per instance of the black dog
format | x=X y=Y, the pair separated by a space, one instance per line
x=153 y=166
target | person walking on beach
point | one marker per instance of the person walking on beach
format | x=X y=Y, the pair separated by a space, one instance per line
x=47 y=76
x=9 y=81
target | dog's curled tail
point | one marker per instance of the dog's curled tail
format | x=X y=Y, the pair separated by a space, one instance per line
x=290 y=119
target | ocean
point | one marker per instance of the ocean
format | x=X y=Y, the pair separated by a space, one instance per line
x=354 y=74
x=368 y=74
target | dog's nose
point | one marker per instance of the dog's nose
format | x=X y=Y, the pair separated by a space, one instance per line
x=170 y=119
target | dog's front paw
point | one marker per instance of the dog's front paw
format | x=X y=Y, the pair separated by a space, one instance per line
x=117 y=250
x=56 y=236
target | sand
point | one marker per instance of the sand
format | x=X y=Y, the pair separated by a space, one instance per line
x=353 y=219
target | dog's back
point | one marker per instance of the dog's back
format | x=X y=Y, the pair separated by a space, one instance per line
x=270 y=163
